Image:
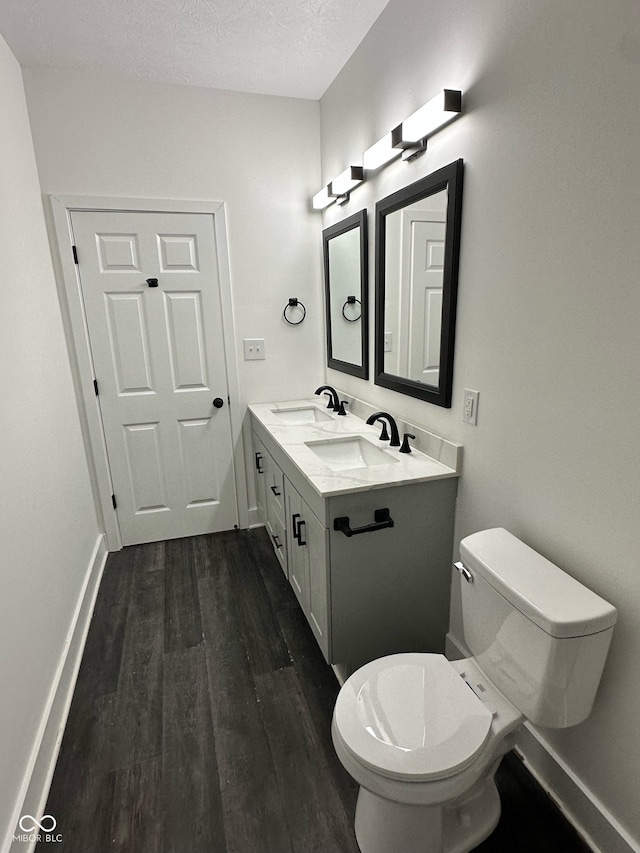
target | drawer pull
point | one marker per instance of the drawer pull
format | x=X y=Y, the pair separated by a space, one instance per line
x=275 y=491
x=382 y=520
x=258 y=463
x=276 y=541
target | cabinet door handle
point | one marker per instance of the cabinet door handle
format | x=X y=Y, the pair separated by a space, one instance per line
x=258 y=462
x=275 y=491
x=299 y=537
x=294 y=526
x=276 y=541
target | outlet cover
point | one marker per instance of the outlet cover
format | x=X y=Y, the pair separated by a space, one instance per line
x=470 y=409
x=253 y=349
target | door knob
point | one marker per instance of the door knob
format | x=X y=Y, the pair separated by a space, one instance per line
x=218 y=402
x=152 y=282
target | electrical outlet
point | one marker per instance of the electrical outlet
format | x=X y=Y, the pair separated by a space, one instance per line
x=253 y=349
x=470 y=410
x=388 y=342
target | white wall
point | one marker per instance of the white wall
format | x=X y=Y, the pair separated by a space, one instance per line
x=549 y=294
x=48 y=527
x=99 y=135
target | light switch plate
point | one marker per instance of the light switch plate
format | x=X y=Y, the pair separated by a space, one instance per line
x=253 y=349
x=470 y=408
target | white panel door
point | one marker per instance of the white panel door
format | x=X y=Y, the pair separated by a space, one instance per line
x=422 y=284
x=152 y=301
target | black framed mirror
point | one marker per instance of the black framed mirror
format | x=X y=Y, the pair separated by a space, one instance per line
x=417 y=252
x=346 y=279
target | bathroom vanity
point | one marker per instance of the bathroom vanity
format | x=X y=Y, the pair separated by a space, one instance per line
x=363 y=533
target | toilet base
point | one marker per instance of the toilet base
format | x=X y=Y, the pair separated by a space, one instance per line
x=384 y=826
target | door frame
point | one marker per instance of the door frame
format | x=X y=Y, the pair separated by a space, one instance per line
x=58 y=209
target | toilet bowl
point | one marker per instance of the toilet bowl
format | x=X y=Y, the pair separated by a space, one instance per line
x=423 y=736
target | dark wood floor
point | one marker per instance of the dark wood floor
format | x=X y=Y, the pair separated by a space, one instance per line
x=201 y=718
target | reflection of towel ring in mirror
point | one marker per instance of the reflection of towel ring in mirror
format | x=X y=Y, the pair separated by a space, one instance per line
x=351 y=300
x=294 y=303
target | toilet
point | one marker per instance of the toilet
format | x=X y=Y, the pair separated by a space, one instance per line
x=423 y=736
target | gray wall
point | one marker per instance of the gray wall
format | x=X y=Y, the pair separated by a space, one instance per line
x=48 y=526
x=549 y=294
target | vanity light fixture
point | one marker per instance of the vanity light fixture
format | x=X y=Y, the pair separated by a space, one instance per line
x=410 y=150
x=346 y=181
x=408 y=139
x=380 y=153
x=431 y=117
x=322 y=199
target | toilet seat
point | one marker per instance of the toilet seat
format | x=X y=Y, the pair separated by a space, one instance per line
x=411 y=717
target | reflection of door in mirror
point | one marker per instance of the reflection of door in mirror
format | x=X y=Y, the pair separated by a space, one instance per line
x=417 y=252
x=413 y=309
x=344 y=282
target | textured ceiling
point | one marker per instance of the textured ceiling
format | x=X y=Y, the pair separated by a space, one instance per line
x=276 y=47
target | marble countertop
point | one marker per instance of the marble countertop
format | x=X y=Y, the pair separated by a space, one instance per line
x=293 y=439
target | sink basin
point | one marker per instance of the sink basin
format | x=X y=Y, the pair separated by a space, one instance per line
x=350 y=452
x=301 y=415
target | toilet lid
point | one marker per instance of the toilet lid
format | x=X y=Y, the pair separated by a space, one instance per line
x=411 y=716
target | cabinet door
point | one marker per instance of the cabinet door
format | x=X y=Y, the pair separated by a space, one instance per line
x=298 y=550
x=318 y=598
x=260 y=467
x=307 y=549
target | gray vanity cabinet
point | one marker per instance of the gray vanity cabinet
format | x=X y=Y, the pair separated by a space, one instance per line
x=377 y=591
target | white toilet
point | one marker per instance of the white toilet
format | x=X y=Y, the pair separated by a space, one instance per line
x=423 y=736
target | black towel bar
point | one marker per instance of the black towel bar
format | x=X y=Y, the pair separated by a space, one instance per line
x=382 y=520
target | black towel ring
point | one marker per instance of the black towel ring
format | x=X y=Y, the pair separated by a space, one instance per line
x=294 y=303
x=351 y=300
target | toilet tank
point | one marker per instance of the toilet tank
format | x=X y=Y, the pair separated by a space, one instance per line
x=538 y=634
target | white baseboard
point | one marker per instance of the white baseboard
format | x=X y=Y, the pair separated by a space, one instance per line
x=35 y=788
x=593 y=822
x=583 y=810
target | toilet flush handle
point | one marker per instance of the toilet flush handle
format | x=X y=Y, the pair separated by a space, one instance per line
x=464 y=571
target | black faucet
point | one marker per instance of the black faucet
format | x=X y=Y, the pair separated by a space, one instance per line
x=334 y=402
x=393 y=426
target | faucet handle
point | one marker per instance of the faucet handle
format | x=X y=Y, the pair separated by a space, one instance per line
x=330 y=404
x=405 y=443
x=384 y=435
x=340 y=409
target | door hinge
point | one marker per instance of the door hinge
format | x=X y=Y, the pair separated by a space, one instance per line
x=95 y=386
x=113 y=501
x=75 y=255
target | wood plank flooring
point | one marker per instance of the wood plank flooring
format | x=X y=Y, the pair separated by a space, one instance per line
x=201 y=718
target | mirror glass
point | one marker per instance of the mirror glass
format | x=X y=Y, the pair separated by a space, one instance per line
x=345 y=276
x=417 y=250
